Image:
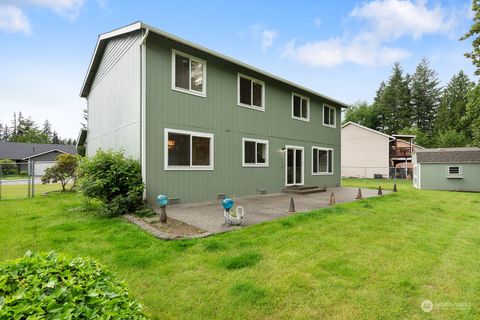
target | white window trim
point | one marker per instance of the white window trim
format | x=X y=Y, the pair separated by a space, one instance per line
x=190 y=167
x=334 y=117
x=455 y=175
x=252 y=106
x=303 y=165
x=189 y=91
x=318 y=164
x=249 y=165
x=307 y=119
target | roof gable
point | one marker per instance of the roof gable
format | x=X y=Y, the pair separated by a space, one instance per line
x=368 y=129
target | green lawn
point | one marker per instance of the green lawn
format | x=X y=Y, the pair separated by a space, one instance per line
x=14 y=191
x=375 y=258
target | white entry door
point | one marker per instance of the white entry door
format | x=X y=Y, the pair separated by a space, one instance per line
x=294 y=163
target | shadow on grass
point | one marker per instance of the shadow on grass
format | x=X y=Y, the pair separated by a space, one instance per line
x=242 y=261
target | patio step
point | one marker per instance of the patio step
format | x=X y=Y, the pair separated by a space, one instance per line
x=302 y=189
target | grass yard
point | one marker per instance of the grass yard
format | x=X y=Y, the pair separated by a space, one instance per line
x=14 y=191
x=372 y=259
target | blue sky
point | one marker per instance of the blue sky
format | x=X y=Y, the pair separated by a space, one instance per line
x=343 y=49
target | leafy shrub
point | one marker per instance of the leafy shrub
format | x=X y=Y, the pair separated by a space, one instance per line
x=51 y=287
x=114 y=180
x=64 y=171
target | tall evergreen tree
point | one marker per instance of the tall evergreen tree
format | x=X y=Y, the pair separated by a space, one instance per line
x=55 y=138
x=393 y=102
x=14 y=126
x=472 y=116
x=425 y=93
x=47 y=130
x=474 y=32
x=6 y=134
x=453 y=104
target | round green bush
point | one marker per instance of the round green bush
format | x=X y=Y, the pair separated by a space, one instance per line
x=47 y=286
x=113 y=179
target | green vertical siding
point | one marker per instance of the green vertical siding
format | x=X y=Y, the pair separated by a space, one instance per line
x=219 y=114
x=434 y=176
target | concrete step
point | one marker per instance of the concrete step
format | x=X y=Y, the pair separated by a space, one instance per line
x=301 y=190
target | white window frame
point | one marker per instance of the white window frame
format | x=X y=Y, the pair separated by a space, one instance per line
x=263 y=165
x=286 y=165
x=326 y=173
x=190 y=167
x=334 y=116
x=455 y=175
x=307 y=119
x=189 y=91
x=252 y=106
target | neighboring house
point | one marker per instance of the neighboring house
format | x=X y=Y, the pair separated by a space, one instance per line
x=204 y=125
x=368 y=153
x=455 y=169
x=43 y=154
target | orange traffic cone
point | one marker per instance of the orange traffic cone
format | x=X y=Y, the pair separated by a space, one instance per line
x=332 y=200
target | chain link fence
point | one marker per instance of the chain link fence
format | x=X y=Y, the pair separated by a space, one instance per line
x=23 y=179
x=377 y=172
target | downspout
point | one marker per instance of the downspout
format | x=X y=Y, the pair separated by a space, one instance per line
x=143 y=107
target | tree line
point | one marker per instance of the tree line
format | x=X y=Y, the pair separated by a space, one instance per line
x=416 y=104
x=24 y=129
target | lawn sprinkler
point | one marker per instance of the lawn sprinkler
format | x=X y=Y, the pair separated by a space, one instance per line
x=162 y=201
x=232 y=218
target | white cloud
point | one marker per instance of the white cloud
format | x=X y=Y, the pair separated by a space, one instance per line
x=397 y=18
x=383 y=22
x=334 y=52
x=69 y=9
x=261 y=35
x=268 y=36
x=13 y=19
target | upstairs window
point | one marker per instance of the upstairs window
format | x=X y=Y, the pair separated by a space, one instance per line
x=329 y=116
x=300 y=107
x=188 y=74
x=255 y=153
x=322 y=161
x=251 y=93
x=187 y=150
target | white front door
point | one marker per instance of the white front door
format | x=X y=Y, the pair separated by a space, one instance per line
x=294 y=160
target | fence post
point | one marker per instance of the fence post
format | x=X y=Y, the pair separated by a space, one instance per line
x=29 y=179
x=33 y=179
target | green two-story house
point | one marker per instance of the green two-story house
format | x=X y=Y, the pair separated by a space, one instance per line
x=204 y=125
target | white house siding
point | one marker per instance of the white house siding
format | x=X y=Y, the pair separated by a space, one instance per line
x=364 y=152
x=114 y=99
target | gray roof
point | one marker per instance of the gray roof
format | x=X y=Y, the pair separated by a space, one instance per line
x=18 y=150
x=449 y=155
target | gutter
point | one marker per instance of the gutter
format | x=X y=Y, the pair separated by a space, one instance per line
x=143 y=105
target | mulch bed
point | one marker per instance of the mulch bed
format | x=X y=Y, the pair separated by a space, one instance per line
x=172 y=229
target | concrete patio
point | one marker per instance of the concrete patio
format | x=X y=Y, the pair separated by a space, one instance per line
x=259 y=208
